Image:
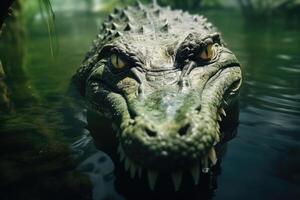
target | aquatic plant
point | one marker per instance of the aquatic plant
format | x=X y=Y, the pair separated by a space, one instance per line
x=49 y=18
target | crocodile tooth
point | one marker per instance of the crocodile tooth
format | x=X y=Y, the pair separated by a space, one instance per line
x=186 y=49
x=223 y=112
x=177 y=177
x=212 y=156
x=235 y=89
x=219 y=118
x=217 y=139
x=205 y=168
x=232 y=93
x=195 y=172
x=133 y=169
x=127 y=164
x=152 y=177
x=218 y=126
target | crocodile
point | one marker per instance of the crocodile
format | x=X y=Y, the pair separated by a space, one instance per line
x=167 y=81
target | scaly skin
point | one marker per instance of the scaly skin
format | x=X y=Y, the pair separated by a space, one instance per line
x=166 y=99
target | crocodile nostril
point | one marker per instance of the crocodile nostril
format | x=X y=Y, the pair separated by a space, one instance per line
x=183 y=130
x=150 y=133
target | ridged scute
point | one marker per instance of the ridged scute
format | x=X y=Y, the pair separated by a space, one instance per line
x=146 y=29
x=145 y=19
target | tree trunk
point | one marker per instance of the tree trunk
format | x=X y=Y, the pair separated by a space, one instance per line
x=4 y=97
x=13 y=62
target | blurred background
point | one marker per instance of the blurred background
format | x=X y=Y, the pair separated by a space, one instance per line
x=43 y=135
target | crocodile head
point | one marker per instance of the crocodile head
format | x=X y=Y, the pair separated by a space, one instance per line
x=165 y=78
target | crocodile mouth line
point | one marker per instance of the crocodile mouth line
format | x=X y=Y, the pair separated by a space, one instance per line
x=200 y=165
x=195 y=170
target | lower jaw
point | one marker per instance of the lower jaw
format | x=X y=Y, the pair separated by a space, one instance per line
x=198 y=167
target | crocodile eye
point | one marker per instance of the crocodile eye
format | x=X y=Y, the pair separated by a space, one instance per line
x=207 y=53
x=117 y=62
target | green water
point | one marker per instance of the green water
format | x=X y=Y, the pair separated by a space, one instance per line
x=38 y=160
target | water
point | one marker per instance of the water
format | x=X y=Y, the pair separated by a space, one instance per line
x=261 y=162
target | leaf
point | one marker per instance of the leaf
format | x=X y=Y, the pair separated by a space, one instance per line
x=49 y=16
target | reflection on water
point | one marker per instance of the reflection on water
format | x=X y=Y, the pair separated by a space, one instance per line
x=100 y=169
x=262 y=162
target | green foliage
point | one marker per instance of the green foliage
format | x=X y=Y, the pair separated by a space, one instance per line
x=49 y=17
x=212 y=3
x=186 y=5
x=31 y=8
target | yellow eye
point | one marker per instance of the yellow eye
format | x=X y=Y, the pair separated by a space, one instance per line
x=117 y=62
x=207 y=53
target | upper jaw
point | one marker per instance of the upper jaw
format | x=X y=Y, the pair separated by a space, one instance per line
x=169 y=149
x=174 y=158
x=186 y=162
x=193 y=153
x=203 y=127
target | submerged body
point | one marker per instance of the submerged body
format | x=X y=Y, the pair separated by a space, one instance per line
x=166 y=80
